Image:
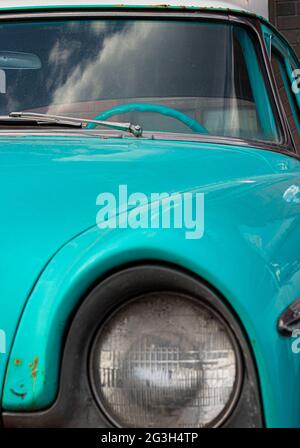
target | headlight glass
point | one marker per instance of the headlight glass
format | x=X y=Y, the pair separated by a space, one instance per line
x=165 y=360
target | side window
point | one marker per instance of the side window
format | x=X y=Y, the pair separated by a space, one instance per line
x=284 y=86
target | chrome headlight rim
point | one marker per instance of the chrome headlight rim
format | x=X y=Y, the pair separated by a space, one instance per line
x=208 y=305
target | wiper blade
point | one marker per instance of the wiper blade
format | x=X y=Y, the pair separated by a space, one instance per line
x=136 y=130
x=18 y=121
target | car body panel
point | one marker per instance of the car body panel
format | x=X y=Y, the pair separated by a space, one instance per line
x=52 y=252
x=249 y=250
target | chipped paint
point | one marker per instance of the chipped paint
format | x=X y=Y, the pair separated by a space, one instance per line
x=22 y=388
x=19 y=394
x=17 y=362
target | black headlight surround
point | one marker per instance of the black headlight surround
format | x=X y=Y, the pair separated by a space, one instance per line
x=75 y=405
x=226 y=412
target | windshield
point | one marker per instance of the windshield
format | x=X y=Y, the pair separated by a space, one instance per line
x=169 y=76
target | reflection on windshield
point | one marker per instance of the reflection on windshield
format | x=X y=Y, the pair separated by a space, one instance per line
x=201 y=70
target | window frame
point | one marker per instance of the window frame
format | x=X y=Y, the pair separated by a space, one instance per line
x=252 y=23
x=277 y=45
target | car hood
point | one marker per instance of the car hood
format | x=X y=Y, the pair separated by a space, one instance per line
x=49 y=186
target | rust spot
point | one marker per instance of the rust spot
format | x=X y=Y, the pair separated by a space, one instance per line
x=33 y=367
x=17 y=362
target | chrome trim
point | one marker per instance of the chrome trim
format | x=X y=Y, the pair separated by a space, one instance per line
x=113 y=12
x=134 y=129
x=289 y=321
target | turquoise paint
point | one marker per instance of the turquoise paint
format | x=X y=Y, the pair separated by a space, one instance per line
x=157 y=108
x=249 y=251
x=52 y=251
x=294 y=98
x=288 y=79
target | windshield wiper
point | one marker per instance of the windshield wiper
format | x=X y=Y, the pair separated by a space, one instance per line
x=18 y=121
x=136 y=130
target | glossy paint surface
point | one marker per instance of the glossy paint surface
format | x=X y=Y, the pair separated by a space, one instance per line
x=52 y=251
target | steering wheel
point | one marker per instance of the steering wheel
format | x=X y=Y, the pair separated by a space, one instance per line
x=160 y=109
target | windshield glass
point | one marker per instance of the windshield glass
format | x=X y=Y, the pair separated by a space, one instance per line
x=181 y=77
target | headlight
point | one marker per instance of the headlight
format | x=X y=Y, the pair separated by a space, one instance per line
x=165 y=360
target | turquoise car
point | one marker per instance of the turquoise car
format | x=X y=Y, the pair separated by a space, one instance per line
x=150 y=216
